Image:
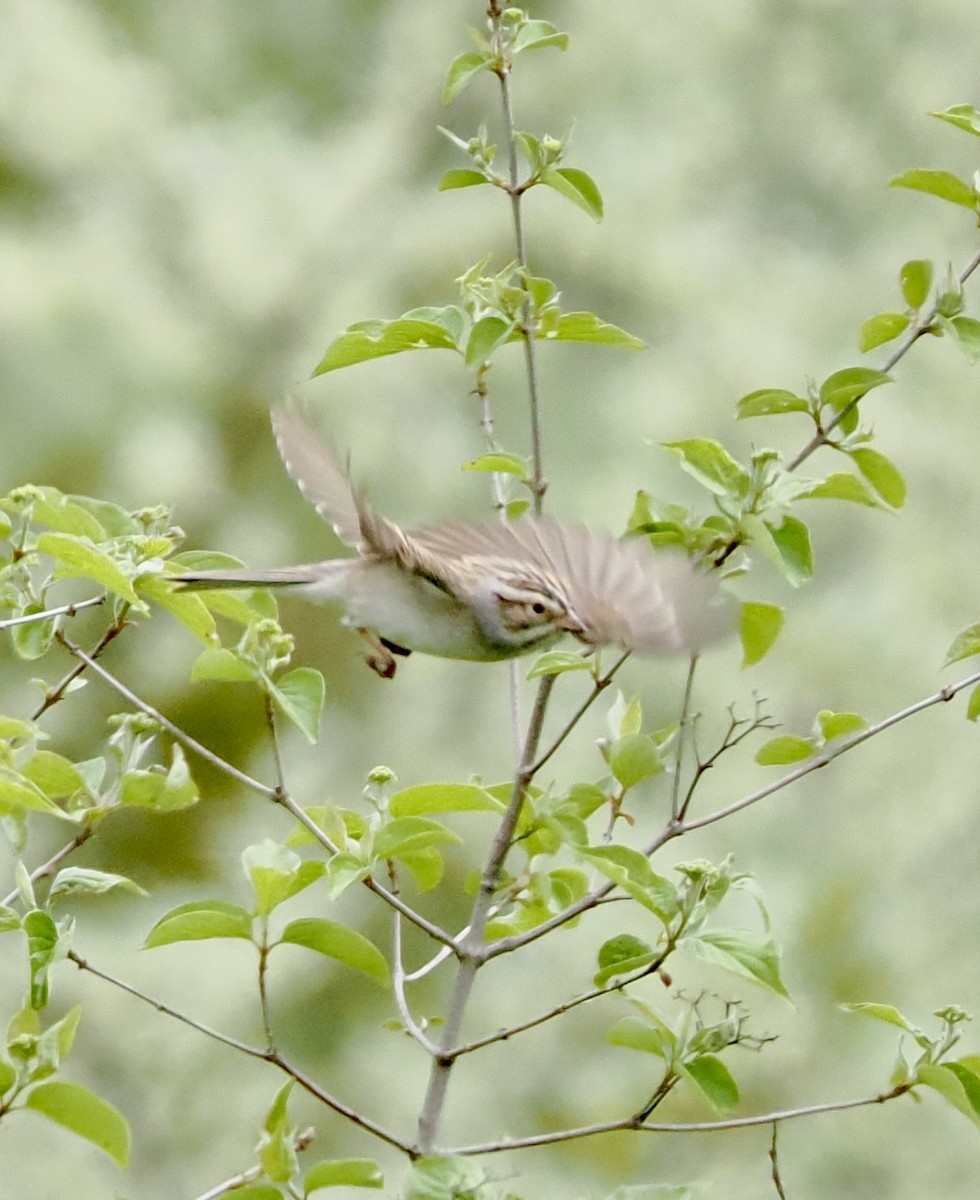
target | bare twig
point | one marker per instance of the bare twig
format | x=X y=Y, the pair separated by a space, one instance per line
x=675 y=791
x=54 y=861
x=63 y=610
x=56 y=693
x=774 y=1159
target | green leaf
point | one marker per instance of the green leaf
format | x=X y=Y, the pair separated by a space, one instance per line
x=452 y=1177
x=973 y=705
x=188 y=607
x=271 y=870
x=841 y=486
x=634 y=758
x=85 y=1114
x=963 y=116
x=839 y=724
x=33 y=639
x=882 y=474
x=557 y=662
x=769 y=402
x=576 y=186
x=882 y=1012
x=86 y=881
x=714 y=1081
x=785 y=749
x=631 y=870
x=486 y=335
x=220 y=665
x=711 y=465
x=499 y=464
x=884 y=327
x=462 y=71
x=742 y=954
x=535 y=35
x=632 y=1033
x=42 y=948
x=8 y=1077
x=964 y=645
x=300 y=695
x=842 y=387
x=966 y=333
x=376 y=339
x=938 y=183
x=791 y=538
x=915 y=280
x=587 y=327
x=77 y=557
x=947 y=1082
x=409 y=835
x=198 y=921
x=622 y=955
x=442 y=797
x=349 y=1172
x=56 y=776
x=340 y=943
x=461 y=178
x=18 y=794
x=759 y=626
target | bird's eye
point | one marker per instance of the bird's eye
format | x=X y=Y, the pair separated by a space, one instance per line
x=538 y=608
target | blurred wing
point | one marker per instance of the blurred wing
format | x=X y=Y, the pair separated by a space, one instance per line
x=627 y=594
x=317 y=474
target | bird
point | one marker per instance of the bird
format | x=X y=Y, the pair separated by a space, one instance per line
x=482 y=591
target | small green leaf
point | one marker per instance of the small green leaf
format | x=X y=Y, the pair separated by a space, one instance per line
x=634 y=758
x=56 y=776
x=622 y=955
x=376 y=339
x=966 y=333
x=714 y=1081
x=711 y=465
x=499 y=464
x=631 y=870
x=884 y=327
x=535 y=35
x=462 y=71
x=915 y=280
x=346 y=1172
x=783 y=750
x=963 y=116
x=187 y=606
x=938 y=183
x=86 y=881
x=19 y=794
x=557 y=662
x=769 y=402
x=85 y=1114
x=964 y=645
x=882 y=474
x=442 y=797
x=77 y=557
x=271 y=870
x=841 y=486
x=461 y=178
x=791 y=538
x=576 y=186
x=632 y=1033
x=340 y=943
x=946 y=1081
x=449 y=1177
x=759 y=626
x=486 y=335
x=300 y=695
x=742 y=954
x=33 y=639
x=42 y=948
x=839 y=724
x=973 y=705
x=409 y=835
x=217 y=664
x=587 y=327
x=842 y=387
x=198 y=921
x=882 y=1012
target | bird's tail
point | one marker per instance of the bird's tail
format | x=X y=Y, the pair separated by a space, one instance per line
x=245 y=578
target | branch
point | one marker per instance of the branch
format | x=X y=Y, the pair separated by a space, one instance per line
x=640 y=1126
x=55 y=860
x=65 y=610
x=265 y=1055
x=820 y=437
x=57 y=693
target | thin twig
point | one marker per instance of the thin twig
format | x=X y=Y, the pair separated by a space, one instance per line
x=174 y=730
x=54 y=861
x=56 y=693
x=266 y=1055
x=64 y=610
x=774 y=1159
x=598 y=687
x=675 y=790
x=633 y=1123
x=820 y=437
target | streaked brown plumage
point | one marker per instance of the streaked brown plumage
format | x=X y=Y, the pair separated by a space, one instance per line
x=484 y=590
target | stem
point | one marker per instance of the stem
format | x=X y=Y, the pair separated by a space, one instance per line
x=57 y=693
x=65 y=610
x=58 y=857
x=675 y=794
x=472 y=948
x=820 y=437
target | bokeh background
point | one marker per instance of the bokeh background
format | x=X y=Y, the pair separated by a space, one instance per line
x=194 y=199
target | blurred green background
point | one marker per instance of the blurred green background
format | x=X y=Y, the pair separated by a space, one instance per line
x=194 y=199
